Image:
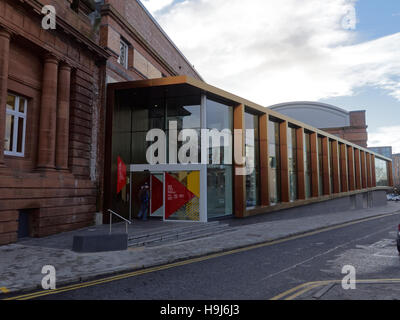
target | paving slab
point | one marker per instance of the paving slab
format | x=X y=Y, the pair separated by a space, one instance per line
x=363 y=291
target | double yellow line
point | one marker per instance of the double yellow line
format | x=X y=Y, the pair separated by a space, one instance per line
x=190 y=261
x=302 y=289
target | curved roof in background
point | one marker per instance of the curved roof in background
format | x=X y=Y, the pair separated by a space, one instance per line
x=316 y=114
x=311 y=103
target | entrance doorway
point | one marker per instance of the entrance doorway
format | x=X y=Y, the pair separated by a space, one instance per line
x=175 y=192
x=157 y=195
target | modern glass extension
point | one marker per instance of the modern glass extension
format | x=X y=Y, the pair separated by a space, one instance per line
x=208 y=154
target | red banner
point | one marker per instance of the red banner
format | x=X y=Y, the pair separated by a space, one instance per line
x=121 y=171
x=176 y=195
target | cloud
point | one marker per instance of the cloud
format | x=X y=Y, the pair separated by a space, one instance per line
x=277 y=51
x=349 y=21
x=385 y=136
x=156 y=5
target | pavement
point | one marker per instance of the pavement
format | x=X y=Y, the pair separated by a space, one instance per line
x=365 y=291
x=21 y=264
x=371 y=290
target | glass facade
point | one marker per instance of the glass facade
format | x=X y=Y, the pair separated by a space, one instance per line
x=292 y=163
x=135 y=116
x=220 y=176
x=143 y=117
x=274 y=167
x=219 y=191
x=381 y=173
x=307 y=164
x=185 y=112
x=252 y=160
x=138 y=111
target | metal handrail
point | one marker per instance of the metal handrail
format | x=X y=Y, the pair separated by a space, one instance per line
x=122 y=218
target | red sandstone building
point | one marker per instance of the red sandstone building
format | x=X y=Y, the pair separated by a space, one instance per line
x=52 y=104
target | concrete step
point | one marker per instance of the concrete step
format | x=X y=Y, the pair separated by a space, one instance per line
x=192 y=237
x=166 y=230
x=172 y=234
x=181 y=235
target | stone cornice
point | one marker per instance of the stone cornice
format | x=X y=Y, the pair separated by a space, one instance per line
x=101 y=53
x=5 y=33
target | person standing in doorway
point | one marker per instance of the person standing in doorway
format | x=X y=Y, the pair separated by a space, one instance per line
x=144 y=196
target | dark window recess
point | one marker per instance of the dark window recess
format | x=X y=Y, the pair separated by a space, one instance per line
x=23 y=224
x=85 y=6
x=75 y=5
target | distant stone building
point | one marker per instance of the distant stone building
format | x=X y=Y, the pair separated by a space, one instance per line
x=347 y=125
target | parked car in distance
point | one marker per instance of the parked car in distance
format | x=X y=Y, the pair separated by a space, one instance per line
x=393 y=197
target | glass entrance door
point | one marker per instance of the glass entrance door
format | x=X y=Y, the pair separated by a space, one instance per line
x=157 y=195
x=177 y=192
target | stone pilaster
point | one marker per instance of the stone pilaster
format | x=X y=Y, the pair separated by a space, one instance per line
x=48 y=114
x=63 y=105
x=4 y=59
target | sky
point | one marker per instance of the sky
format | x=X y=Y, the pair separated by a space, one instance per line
x=342 y=52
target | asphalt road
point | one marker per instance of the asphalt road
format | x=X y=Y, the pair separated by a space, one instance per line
x=266 y=272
